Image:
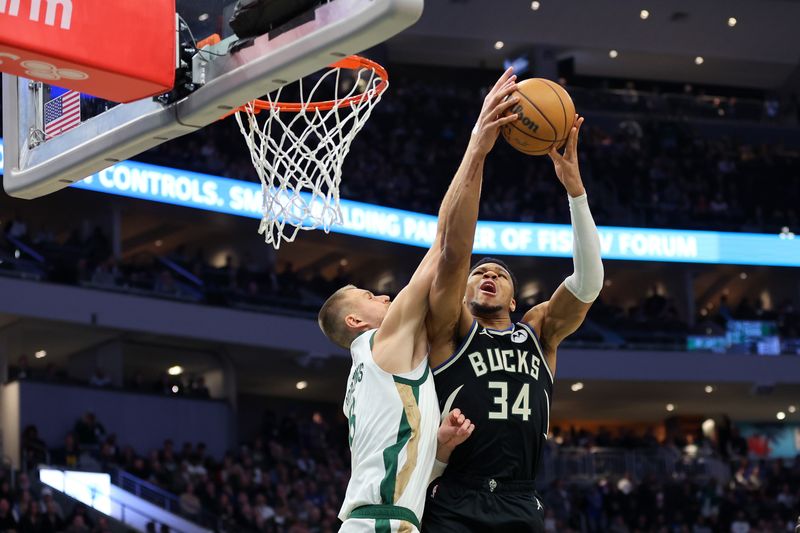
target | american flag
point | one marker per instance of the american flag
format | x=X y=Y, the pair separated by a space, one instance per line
x=62 y=114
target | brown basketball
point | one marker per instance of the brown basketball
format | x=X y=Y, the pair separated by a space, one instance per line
x=547 y=115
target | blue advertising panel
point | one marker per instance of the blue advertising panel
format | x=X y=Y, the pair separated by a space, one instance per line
x=243 y=198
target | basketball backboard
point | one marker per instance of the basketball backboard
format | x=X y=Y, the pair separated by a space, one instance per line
x=219 y=78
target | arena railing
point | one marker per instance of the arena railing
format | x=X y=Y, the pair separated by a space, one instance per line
x=586 y=466
x=162 y=498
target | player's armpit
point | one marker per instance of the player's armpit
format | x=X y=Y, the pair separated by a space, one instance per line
x=555 y=320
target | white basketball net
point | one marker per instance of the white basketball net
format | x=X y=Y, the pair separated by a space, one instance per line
x=298 y=154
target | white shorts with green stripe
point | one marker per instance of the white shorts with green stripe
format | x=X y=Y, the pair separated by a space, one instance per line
x=381 y=525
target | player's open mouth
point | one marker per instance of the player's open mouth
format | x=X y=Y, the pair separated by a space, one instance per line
x=488 y=287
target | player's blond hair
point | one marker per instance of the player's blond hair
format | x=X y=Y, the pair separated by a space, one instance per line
x=331 y=318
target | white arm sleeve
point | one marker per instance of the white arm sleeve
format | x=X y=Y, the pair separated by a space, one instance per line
x=587 y=280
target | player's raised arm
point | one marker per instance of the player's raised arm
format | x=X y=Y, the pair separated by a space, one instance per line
x=458 y=217
x=555 y=319
x=455 y=233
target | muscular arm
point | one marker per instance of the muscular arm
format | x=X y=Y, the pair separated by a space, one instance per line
x=405 y=320
x=447 y=315
x=557 y=318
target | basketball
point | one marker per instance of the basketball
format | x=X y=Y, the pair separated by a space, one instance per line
x=546 y=117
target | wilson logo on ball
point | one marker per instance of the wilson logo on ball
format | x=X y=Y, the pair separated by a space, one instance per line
x=525 y=120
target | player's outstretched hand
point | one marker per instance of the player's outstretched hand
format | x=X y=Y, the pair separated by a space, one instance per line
x=455 y=429
x=567 y=164
x=491 y=119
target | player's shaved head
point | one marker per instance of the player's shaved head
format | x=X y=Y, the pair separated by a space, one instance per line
x=331 y=318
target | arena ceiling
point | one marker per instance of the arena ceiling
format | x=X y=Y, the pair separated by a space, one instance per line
x=761 y=50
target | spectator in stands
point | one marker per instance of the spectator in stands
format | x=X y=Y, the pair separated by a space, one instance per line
x=7 y=521
x=190 y=503
x=740 y=525
x=34 y=450
x=49 y=505
x=107 y=273
x=198 y=388
x=80 y=518
x=32 y=519
x=88 y=431
x=69 y=455
x=16 y=228
x=100 y=378
x=165 y=283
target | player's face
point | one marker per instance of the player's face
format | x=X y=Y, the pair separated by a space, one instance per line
x=490 y=290
x=369 y=308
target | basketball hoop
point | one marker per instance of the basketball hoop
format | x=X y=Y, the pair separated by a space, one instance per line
x=299 y=149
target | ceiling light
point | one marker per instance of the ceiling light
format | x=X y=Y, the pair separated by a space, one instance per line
x=699 y=60
x=176 y=370
x=732 y=21
x=792 y=409
x=203 y=17
x=670 y=407
x=743 y=275
x=17 y=254
x=175 y=389
x=159 y=242
x=301 y=385
x=644 y=14
x=781 y=415
x=709 y=389
x=613 y=54
x=535 y=5
x=40 y=354
x=576 y=386
x=498 y=45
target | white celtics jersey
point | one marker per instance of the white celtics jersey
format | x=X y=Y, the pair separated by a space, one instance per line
x=393 y=424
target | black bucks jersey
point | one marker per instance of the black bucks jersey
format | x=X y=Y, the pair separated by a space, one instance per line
x=500 y=380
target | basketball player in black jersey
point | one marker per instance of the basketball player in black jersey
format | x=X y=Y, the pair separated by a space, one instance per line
x=500 y=372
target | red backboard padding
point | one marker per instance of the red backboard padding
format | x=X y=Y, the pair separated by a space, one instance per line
x=120 y=50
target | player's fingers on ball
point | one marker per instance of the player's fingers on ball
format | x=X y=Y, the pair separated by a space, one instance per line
x=508 y=88
x=554 y=155
x=502 y=121
x=502 y=93
x=506 y=103
x=572 y=142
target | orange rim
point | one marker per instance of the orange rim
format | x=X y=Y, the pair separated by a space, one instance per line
x=352 y=63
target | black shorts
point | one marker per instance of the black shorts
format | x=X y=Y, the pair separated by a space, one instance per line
x=482 y=506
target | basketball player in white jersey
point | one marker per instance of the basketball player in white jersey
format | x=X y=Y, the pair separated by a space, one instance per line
x=391 y=400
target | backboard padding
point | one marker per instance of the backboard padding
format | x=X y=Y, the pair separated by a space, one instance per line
x=338 y=28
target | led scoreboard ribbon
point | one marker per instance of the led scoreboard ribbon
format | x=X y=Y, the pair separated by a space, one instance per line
x=243 y=198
